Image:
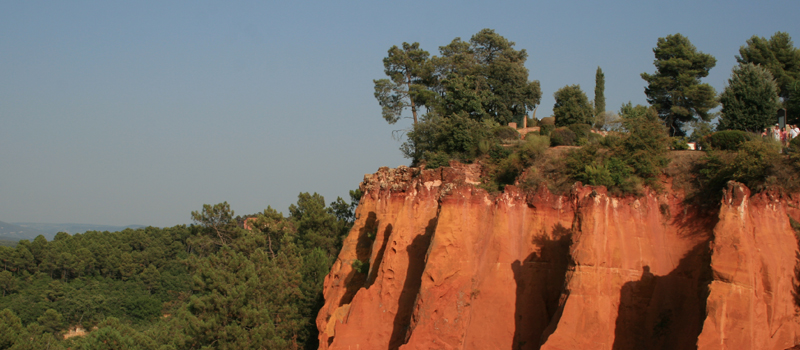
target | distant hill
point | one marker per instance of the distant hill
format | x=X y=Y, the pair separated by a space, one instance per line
x=12 y=232
x=8 y=243
x=29 y=230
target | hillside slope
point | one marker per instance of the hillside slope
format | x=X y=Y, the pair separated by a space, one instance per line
x=14 y=232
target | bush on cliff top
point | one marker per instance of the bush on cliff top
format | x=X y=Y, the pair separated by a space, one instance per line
x=437 y=140
x=757 y=164
x=506 y=170
x=562 y=137
x=729 y=140
x=624 y=163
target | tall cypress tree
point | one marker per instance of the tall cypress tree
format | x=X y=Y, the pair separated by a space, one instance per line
x=599 y=92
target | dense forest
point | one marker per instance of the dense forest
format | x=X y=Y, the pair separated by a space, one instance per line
x=226 y=282
x=255 y=281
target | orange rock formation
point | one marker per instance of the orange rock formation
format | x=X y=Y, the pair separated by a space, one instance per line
x=451 y=267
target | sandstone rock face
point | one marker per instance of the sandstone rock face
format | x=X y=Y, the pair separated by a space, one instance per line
x=451 y=267
x=638 y=275
x=751 y=302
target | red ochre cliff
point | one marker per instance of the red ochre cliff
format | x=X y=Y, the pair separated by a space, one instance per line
x=452 y=267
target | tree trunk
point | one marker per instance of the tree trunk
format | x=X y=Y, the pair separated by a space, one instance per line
x=413 y=105
x=269 y=239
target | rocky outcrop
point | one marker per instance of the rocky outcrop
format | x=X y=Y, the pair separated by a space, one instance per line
x=751 y=304
x=435 y=262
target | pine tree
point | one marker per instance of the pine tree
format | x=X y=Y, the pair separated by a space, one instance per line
x=675 y=89
x=406 y=68
x=484 y=77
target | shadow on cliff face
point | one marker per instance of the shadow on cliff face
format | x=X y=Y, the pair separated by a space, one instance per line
x=373 y=271
x=355 y=280
x=665 y=312
x=417 y=252
x=796 y=285
x=540 y=279
x=694 y=221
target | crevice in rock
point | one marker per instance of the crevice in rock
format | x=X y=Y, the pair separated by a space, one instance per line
x=356 y=280
x=417 y=256
x=373 y=270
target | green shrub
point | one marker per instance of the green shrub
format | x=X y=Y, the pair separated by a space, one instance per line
x=594 y=138
x=505 y=133
x=754 y=165
x=498 y=152
x=795 y=143
x=601 y=170
x=678 y=143
x=548 y=121
x=597 y=175
x=506 y=164
x=644 y=148
x=532 y=134
x=458 y=137
x=535 y=144
x=545 y=129
x=435 y=160
x=562 y=137
x=753 y=162
x=794 y=152
x=509 y=169
x=729 y=140
x=581 y=130
x=612 y=141
x=360 y=266
x=623 y=162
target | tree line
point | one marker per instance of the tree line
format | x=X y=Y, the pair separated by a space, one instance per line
x=463 y=99
x=483 y=84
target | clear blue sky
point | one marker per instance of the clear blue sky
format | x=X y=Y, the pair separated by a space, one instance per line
x=135 y=112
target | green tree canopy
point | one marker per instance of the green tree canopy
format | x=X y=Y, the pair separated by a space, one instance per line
x=645 y=144
x=599 y=92
x=750 y=100
x=406 y=68
x=218 y=220
x=675 y=89
x=572 y=106
x=778 y=55
x=793 y=103
x=484 y=78
x=469 y=89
